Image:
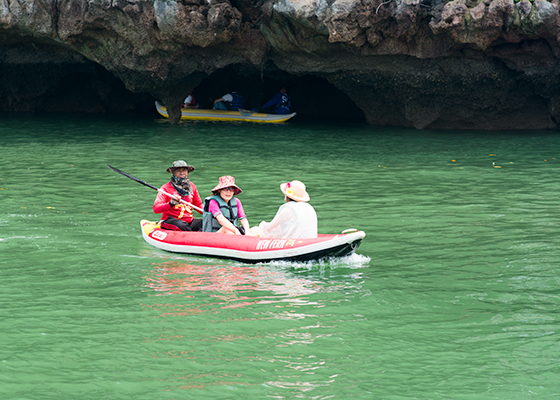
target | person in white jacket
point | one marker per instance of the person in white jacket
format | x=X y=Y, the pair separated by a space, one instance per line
x=296 y=219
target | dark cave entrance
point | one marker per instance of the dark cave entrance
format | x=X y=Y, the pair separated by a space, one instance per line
x=52 y=81
x=312 y=98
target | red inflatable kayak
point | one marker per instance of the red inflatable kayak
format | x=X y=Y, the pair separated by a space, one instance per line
x=251 y=249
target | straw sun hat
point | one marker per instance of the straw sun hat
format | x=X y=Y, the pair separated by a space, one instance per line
x=295 y=190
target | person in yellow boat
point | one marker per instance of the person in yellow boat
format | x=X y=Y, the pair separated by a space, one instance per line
x=223 y=213
x=189 y=102
x=280 y=102
x=295 y=219
x=174 y=214
x=232 y=101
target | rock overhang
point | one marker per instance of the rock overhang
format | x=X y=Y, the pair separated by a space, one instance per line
x=456 y=64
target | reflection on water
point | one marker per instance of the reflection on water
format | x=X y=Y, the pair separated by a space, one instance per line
x=290 y=306
x=222 y=285
x=174 y=277
x=230 y=285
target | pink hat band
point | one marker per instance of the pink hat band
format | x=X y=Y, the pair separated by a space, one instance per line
x=295 y=190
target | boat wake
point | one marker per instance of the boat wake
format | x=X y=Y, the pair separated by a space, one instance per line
x=351 y=261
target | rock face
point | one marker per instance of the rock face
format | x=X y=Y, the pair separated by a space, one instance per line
x=459 y=64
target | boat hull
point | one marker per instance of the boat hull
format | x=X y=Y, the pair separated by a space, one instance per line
x=250 y=249
x=219 y=115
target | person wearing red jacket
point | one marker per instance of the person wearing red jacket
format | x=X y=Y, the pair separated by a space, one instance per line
x=176 y=215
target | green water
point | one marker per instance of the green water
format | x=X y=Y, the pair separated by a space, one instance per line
x=454 y=293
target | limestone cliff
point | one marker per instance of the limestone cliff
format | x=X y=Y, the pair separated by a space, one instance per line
x=460 y=64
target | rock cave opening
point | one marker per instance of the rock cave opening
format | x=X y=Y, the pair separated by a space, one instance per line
x=50 y=80
x=38 y=81
x=312 y=98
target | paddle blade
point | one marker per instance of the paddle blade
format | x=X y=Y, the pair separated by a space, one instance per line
x=131 y=177
x=115 y=169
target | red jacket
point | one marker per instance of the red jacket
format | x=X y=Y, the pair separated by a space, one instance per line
x=180 y=211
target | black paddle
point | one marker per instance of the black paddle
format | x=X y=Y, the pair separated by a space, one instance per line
x=153 y=187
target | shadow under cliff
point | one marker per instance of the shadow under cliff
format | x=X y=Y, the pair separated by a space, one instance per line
x=50 y=80
x=450 y=93
x=311 y=97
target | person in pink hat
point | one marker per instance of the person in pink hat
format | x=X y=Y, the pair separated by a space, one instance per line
x=295 y=219
x=174 y=214
x=223 y=213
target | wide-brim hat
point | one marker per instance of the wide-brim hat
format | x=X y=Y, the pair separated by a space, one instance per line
x=225 y=182
x=295 y=190
x=180 y=164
